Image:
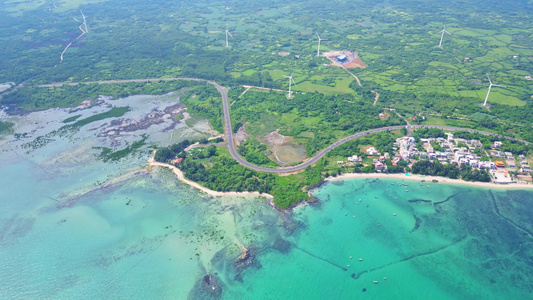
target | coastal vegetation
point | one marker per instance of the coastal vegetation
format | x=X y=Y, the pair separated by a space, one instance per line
x=71 y=119
x=5 y=127
x=107 y=154
x=114 y=112
x=38 y=98
x=214 y=168
x=435 y=168
x=403 y=74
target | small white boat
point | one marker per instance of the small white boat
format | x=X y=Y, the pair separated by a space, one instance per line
x=394 y=214
x=360 y=259
x=375 y=281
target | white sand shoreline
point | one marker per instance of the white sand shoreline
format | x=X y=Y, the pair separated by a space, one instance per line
x=445 y=180
x=181 y=177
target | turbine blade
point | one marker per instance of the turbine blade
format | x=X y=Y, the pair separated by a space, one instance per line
x=498 y=85
x=230 y=34
x=489 y=79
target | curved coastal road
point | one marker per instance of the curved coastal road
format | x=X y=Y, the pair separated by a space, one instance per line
x=314 y=159
x=319 y=155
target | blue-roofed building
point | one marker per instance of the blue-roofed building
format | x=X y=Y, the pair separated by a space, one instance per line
x=341 y=57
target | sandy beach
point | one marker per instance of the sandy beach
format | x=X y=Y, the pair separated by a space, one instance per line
x=445 y=180
x=181 y=177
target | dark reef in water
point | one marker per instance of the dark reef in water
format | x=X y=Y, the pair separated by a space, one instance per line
x=447 y=199
x=357 y=275
x=282 y=245
x=244 y=261
x=418 y=221
x=419 y=200
x=207 y=287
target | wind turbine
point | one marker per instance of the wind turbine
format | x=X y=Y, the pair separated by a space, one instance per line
x=318 y=49
x=291 y=80
x=227 y=33
x=488 y=92
x=442 y=35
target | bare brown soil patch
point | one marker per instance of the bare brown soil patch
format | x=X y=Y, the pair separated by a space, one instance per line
x=352 y=59
x=284 y=151
x=241 y=135
x=385 y=116
x=376 y=98
x=364 y=148
x=357 y=63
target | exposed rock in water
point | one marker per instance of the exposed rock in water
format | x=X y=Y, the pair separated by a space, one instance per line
x=212 y=285
x=244 y=261
x=208 y=287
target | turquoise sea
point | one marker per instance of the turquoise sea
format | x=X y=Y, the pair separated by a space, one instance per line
x=74 y=227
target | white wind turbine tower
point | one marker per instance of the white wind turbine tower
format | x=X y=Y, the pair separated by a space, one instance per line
x=291 y=80
x=227 y=33
x=442 y=35
x=318 y=49
x=488 y=92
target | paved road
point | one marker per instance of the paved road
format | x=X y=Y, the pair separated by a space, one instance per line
x=318 y=156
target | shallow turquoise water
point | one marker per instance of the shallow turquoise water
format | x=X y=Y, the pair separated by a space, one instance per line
x=460 y=249
x=63 y=235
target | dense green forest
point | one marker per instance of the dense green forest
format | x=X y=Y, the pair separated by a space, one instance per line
x=396 y=39
x=217 y=170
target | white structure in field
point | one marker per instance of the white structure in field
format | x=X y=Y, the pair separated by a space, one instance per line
x=488 y=92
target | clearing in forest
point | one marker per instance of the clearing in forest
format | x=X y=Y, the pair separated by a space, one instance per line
x=351 y=60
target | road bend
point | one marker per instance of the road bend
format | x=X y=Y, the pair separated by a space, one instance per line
x=314 y=159
x=319 y=155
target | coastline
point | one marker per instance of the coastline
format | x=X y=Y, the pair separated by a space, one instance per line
x=181 y=177
x=429 y=178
